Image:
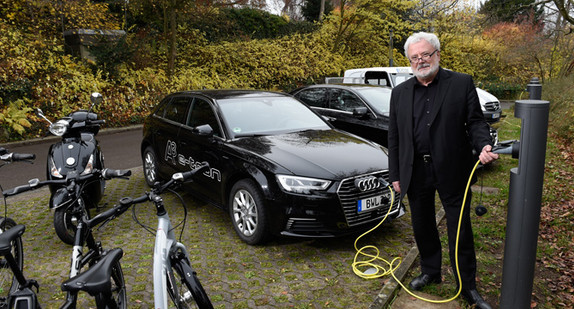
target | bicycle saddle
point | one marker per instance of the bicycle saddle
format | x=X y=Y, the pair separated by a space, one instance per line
x=8 y=236
x=96 y=279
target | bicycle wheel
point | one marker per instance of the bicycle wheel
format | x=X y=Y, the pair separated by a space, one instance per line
x=184 y=287
x=8 y=282
x=118 y=290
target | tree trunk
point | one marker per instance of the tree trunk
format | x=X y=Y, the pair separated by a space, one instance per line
x=172 y=53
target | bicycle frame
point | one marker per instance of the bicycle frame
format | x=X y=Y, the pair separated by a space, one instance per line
x=168 y=250
x=164 y=242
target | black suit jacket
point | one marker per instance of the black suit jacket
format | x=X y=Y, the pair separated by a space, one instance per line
x=457 y=125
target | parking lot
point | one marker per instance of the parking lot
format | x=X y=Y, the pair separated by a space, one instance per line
x=285 y=273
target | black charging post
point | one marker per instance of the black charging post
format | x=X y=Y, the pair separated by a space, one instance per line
x=524 y=204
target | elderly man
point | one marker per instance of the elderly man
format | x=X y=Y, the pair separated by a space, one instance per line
x=435 y=122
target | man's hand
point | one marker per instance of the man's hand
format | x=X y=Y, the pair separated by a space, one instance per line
x=487 y=156
x=397 y=186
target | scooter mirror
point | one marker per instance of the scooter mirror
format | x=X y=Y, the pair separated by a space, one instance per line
x=96 y=98
x=39 y=113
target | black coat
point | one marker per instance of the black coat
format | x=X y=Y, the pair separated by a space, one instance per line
x=457 y=125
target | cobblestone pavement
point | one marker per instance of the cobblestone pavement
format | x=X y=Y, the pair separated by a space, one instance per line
x=285 y=273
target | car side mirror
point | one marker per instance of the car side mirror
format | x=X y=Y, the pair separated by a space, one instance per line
x=203 y=130
x=360 y=112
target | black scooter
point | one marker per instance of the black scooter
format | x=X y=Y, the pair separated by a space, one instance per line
x=77 y=153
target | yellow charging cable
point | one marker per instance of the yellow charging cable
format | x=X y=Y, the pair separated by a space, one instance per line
x=376 y=271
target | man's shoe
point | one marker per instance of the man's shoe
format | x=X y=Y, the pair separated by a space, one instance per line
x=424 y=280
x=474 y=298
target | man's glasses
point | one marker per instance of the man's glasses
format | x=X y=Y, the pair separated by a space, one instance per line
x=424 y=56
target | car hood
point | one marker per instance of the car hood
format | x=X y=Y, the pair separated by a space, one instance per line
x=328 y=154
x=485 y=96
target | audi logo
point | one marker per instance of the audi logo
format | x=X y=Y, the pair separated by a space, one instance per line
x=367 y=183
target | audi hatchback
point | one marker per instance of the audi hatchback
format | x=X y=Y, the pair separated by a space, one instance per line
x=276 y=166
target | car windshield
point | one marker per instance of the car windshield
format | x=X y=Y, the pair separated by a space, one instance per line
x=400 y=77
x=268 y=115
x=378 y=98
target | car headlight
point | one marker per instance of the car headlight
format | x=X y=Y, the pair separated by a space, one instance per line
x=59 y=127
x=54 y=170
x=303 y=185
x=89 y=167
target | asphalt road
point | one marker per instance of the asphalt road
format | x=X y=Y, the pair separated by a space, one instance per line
x=121 y=148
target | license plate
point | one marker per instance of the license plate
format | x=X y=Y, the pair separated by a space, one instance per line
x=371 y=203
x=495 y=115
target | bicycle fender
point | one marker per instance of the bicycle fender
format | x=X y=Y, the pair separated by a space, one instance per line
x=60 y=198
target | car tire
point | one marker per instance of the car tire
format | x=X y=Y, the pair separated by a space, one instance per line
x=246 y=208
x=150 y=166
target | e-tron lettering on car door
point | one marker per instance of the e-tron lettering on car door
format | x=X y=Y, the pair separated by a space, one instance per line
x=171 y=155
x=170 y=151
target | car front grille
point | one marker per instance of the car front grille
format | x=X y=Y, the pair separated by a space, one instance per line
x=349 y=195
x=492 y=106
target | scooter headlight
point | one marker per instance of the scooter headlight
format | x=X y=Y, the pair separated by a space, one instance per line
x=54 y=170
x=59 y=127
x=90 y=166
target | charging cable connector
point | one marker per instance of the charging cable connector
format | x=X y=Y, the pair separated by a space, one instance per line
x=511 y=147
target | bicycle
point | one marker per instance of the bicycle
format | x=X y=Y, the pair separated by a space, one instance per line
x=11 y=245
x=173 y=276
x=104 y=278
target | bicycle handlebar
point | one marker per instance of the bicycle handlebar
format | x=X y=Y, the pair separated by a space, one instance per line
x=36 y=183
x=126 y=202
x=109 y=173
x=160 y=188
x=13 y=156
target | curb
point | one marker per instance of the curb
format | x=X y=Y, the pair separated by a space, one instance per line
x=387 y=294
x=50 y=137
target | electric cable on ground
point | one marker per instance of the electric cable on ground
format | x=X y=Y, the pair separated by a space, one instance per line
x=380 y=271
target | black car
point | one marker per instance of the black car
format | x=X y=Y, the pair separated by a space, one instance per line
x=359 y=109
x=275 y=165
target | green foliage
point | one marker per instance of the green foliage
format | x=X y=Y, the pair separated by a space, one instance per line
x=559 y=93
x=503 y=90
x=50 y=17
x=246 y=23
x=265 y=64
x=13 y=119
x=360 y=31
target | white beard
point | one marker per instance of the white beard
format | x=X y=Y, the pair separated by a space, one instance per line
x=427 y=73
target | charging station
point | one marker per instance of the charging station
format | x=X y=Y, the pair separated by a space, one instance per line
x=524 y=201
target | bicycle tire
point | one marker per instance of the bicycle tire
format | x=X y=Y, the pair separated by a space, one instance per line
x=118 y=289
x=8 y=282
x=184 y=287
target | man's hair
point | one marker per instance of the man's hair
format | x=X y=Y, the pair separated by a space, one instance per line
x=419 y=36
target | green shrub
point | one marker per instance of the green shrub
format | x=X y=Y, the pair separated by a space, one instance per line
x=560 y=94
x=231 y=24
x=13 y=120
x=503 y=90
